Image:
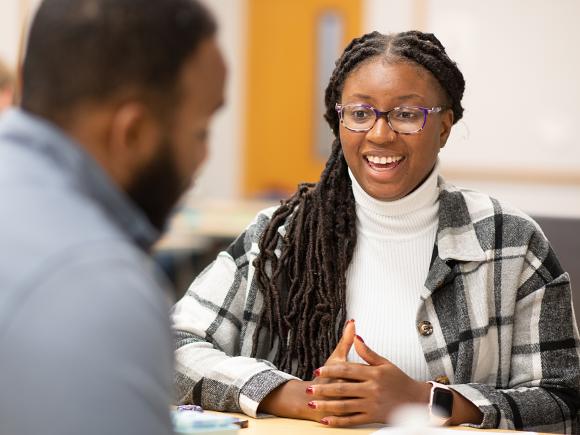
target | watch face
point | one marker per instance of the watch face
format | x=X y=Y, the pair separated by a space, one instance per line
x=442 y=402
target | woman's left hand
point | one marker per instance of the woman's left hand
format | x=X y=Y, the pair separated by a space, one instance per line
x=374 y=390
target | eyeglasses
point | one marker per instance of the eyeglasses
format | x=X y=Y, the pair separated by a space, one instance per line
x=403 y=120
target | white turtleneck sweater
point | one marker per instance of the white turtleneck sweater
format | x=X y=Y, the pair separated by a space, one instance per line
x=390 y=264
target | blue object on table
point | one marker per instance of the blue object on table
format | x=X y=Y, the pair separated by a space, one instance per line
x=195 y=408
x=192 y=422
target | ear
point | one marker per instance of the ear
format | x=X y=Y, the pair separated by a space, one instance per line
x=133 y=140
x=445 y=126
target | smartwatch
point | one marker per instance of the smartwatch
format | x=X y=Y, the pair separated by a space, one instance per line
x=440 y=404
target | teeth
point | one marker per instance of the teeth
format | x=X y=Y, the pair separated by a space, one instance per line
x=383 y=160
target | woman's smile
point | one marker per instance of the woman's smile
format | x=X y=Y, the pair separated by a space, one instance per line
x=383 y=168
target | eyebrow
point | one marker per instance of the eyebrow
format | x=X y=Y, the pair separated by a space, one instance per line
x=402 y=97
x=409 y=96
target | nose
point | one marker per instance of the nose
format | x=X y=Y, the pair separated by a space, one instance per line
x=381 y=132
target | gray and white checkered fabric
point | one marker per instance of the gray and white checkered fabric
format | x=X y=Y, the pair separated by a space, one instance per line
x=504 y=331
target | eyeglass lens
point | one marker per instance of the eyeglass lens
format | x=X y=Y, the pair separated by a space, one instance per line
x=402 y=119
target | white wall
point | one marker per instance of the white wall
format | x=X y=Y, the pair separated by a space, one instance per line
x=10 y=19
x=221 y=175
x=520 y=62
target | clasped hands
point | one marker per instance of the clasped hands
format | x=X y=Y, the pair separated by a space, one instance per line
x=345 y=393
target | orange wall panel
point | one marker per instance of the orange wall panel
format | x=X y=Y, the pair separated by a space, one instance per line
x=281 y=90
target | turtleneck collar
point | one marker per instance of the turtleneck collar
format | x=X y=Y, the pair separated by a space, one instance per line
x=403 y=218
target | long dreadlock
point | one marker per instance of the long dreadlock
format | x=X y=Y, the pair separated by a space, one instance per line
x=304 y=287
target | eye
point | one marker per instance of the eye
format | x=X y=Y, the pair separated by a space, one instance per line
x=359 y=113
x=407 y=114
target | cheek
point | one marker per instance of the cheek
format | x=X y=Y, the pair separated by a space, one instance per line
x=190 y=145
x=430 y=147
x=191 y=153
x=423 y=158
x=350 y=145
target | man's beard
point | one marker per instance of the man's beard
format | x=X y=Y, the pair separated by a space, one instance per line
x=158 y=187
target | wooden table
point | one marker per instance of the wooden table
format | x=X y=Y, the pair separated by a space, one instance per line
x=287 y=426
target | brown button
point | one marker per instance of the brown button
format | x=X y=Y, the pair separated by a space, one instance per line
x=442 y=380
x=425 y=328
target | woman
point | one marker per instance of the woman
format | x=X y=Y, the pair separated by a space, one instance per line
x=444 y=284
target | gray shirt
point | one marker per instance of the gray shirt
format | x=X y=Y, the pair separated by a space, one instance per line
x=85 y=344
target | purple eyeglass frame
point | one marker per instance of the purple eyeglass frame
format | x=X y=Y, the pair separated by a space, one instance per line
x=379 y=114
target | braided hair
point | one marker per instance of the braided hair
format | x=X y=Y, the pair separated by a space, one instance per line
x=302 y=273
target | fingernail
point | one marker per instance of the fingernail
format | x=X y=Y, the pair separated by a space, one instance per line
x=316 y=373
x=360 y=338
x=310 y=390
x=324 y=421
x=312 y=405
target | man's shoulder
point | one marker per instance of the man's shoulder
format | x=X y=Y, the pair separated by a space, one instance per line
x=39 y=221
x=59 y=230
x=44 y=205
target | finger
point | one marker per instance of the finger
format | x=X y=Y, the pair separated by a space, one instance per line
x=337 y=407
x=336 y=390
x=320 y=381
x=345 y=343
x=347 y=420
x=344 y=370
x=367 y=354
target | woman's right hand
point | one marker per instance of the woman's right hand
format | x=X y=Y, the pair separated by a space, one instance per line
x=340 y=353
x=291 y=398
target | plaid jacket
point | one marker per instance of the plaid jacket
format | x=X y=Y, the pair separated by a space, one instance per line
x=504 y=331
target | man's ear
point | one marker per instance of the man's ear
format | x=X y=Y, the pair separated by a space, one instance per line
x=445 y=126
x=134 y=137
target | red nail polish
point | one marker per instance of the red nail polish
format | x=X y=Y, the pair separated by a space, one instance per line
x=360 y=338
x=312 y=405
x=324 y=421
x=316 y=373
x=310 y=390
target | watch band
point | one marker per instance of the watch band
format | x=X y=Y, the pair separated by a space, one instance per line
x=440 y=404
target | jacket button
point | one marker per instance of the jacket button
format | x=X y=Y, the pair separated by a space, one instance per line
x=425 y=328
x=442 y=380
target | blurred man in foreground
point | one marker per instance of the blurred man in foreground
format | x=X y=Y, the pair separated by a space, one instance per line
x=116 y=100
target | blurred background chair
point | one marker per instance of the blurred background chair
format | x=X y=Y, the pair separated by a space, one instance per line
x=564 y=235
